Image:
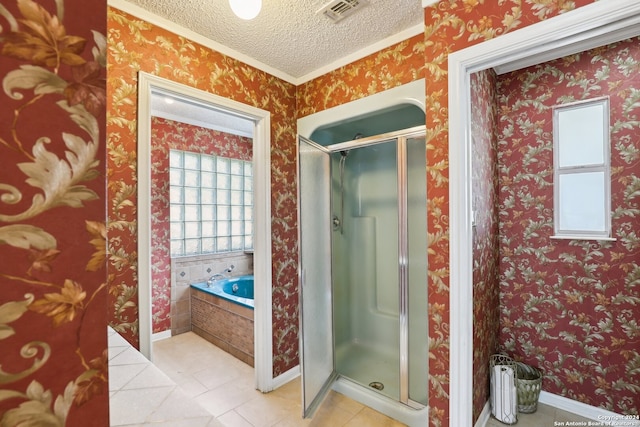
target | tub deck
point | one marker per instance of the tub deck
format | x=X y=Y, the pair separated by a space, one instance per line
x=224 y=323
x=222 y=288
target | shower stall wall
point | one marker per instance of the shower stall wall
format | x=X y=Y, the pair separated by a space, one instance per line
x=363 y=252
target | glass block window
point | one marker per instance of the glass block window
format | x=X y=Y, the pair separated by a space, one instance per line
x=211 y=204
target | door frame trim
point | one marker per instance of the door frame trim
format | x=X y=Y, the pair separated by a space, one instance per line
x=263 y=326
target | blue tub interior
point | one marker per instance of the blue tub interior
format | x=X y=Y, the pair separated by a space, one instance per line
x=239 y=286
x=238 y=289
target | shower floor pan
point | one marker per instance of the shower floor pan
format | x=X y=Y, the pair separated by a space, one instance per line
x=360 y=365
x=369 y=367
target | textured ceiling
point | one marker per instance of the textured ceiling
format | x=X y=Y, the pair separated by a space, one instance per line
x=288 y=35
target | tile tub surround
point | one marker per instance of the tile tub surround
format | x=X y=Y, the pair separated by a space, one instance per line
x=194 y=269
x=225 y=324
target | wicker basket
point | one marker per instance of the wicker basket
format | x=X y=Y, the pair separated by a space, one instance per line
x=528 y=385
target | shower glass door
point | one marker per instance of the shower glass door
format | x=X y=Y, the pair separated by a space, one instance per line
x=417 y=305
x=316 y=343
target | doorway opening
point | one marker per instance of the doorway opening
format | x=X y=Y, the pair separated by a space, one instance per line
x=363 y=274
x=588 y=27
x=362 y=187
x=231 y=114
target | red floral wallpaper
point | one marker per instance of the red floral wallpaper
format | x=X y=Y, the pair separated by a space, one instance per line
x=397 y=65
x=486 y=302
x=451 y=25
x=136 y=45
x=53 y=336
x=570 y=307
x=52 y=103
x=167 y=135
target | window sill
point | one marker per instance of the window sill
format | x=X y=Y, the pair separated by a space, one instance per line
x=601 y=238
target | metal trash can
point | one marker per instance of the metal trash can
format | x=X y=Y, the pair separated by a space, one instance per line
x=529 y=384
x=504 y=399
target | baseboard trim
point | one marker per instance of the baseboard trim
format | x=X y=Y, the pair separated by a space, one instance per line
x=161 y=335
x=484 y=416
x=584 y=410
x=569 y=405
x=285 y=377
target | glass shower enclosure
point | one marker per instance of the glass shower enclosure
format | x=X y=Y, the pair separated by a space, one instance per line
x=363 y=266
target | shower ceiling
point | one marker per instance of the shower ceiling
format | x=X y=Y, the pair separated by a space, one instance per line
x=289 y=37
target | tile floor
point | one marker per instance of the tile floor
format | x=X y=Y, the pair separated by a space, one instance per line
x=141 y=394
x=195 y=384
x=545 y=416
x=192 y=383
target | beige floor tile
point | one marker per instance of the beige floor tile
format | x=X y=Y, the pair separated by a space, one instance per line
x=343 y=402
x=149 y=377
x=120 y=375
x=293 y=414
x=215 y=423
x=208 y=382
x=178 y=407
x=228 y=391
x=265 y=410
x=129 y=356
x=545 y=416
x=225 y=398
x=191 y=386
x=368 y=417
x=233 y=419
x=560 y=415
x=169 y=365
x=135 y=406
x=219 y=374
x=542 y=409
x=114 y=339
x=290 y=391
x=114 y=351
x=191 y=422
x=330 y=416
x=141 y=394
x=294 y=421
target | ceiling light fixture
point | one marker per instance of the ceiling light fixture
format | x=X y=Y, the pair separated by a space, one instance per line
x=246 y=9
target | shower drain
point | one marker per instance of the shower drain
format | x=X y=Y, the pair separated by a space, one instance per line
x=377 y=385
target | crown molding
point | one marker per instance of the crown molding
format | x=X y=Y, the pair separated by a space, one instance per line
x=373 y=48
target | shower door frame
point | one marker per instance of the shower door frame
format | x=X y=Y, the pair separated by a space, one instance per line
x=400 y=137
x=318 y=373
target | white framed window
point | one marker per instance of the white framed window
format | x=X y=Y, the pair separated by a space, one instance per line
x=581 y=165
x=210 y=202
